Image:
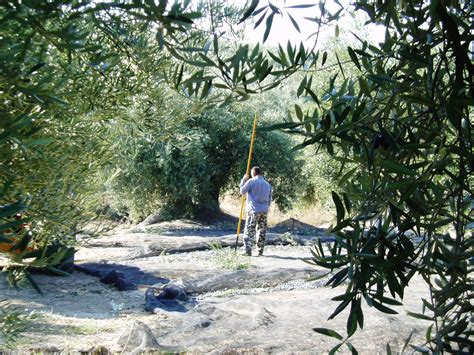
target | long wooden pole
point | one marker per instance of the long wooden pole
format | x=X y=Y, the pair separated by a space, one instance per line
x=254 y=129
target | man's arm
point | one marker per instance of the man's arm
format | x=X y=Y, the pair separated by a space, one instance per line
x=244 y=185
x=270 y=197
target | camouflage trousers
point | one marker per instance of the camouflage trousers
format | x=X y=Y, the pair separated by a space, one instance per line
x=255 y=225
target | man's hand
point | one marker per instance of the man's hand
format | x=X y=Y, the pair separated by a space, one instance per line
x=246 y=177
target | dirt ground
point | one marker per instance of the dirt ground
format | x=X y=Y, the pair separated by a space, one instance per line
x=265 y=304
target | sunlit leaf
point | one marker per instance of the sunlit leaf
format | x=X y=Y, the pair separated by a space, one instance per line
x=295 y=24
x=268 y=27
x=249 y=11
x=328 y=332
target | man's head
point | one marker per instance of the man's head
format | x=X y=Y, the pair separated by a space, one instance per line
x=255 y=171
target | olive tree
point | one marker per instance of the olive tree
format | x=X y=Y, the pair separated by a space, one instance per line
x=68 y=71
x=405 y=122
x=402 y=124
x=401 y=127
x=203 y=157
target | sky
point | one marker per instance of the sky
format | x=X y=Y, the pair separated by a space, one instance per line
x=283 y=30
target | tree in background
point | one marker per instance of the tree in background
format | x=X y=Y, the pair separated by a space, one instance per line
x=204 y=156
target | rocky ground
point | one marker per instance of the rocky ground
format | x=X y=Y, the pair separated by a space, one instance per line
x=235 y=303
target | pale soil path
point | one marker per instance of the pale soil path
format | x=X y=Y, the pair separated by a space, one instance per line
x=267 y=307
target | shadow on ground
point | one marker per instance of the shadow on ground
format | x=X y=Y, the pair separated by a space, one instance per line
x=131 y=273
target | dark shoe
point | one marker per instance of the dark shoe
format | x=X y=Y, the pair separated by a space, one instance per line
x=247 y=253
x=260 y=252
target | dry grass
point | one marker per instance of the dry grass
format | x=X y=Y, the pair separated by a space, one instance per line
x=230 y=259
x=314 y=215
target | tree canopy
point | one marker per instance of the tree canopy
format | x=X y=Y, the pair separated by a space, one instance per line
x=397 y=117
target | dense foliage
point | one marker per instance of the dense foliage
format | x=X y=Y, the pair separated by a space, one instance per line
x=184 y=175
x=403 y=126
x=405 y=123
x=398 y=118
x=68 y=71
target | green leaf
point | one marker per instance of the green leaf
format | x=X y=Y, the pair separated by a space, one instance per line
x=344 y=296
x=299 y=112
x=407 y=341
x=389 y=301
x=41 y=141
x=180 y=76
x=347 y=176
x=360 y=314
x=328 y=332
x=419 y=99
x=313 y=96
x=419 y=316
x=275 y=58
x=259 y=21
x=351 y=325
x=295 y=24
x=317 y=277
x=221 y=86
x=380 y=79
x=206 y=89
x=339 y=206
x=394 y=285
x=325 y=56
x=291 y=52
x=396 y=168
x=198 y=63
x=428 y=332
x=282 y=54
x=55 y=99
x=352 y=348
x=207 y=60
x=335 y=349
x=274 y=9
x=341 y=225
x=354 y=57
x=388 y=138
x=58 y=256
x=161 y=41
x=364 y=86
x=215 y=44
x=288 y=125
x=268 y=26
x=383 y=308
x=249 y=11
x=338 y=277
x=301 y=87
x=347 y=202
x=320 y=247
x=339 y=309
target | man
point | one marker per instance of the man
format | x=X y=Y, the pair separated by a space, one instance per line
x=258 y=201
